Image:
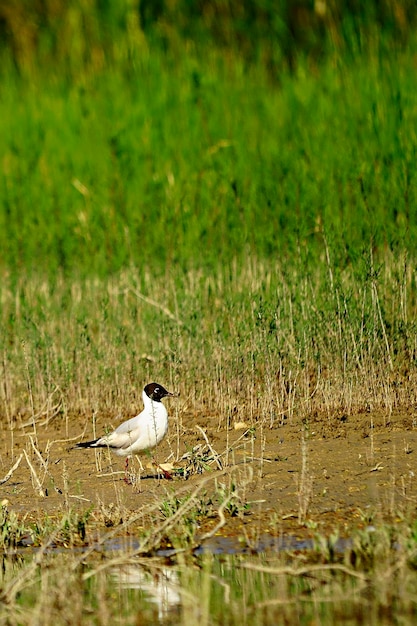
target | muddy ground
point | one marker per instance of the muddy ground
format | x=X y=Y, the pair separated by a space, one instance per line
x=357 y=469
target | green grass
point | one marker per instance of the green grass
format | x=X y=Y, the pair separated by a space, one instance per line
x=154 y=168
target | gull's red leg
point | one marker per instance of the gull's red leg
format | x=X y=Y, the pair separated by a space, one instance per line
x=126 y=479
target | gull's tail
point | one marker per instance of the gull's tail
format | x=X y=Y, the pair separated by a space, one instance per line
x=88 y=444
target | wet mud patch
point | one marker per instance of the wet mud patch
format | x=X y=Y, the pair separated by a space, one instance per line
x=299 y=478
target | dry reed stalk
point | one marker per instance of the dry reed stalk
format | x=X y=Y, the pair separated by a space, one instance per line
x=305 y=484
x=306 y=570
x=222 y=519
x=44 y=464
x=11 y=471
x=46 y=410
x=65 y=482
x=212 y=450
x=157 y=305
x=34 y=475
x=38 y=454
x=6 y=391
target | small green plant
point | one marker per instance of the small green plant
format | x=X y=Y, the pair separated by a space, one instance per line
x=371 y=547
x=411 y=544
x=196 y=460
x=326 y=547
x=235 y=506
x=73 y=527
x=12 y=529
x=202 y=507
x=189 y=512
x=171 y=505
x=68 y=529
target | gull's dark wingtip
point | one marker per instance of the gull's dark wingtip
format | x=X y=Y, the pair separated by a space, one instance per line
x=86 y=444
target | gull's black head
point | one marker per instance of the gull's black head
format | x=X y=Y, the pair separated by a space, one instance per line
x=156 y=392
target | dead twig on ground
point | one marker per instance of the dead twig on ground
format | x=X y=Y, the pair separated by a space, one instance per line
x=10 y=472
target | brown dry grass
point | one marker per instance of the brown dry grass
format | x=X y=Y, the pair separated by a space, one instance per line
x=259 y=343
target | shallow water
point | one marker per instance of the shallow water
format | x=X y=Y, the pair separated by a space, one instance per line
x=220 y=582
x=219 y=544
x=161 y=587
x=216 y=545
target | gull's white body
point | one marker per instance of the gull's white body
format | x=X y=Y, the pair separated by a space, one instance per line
x=140 y=433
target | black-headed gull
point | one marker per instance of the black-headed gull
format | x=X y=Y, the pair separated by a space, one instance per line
x=139 y=433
